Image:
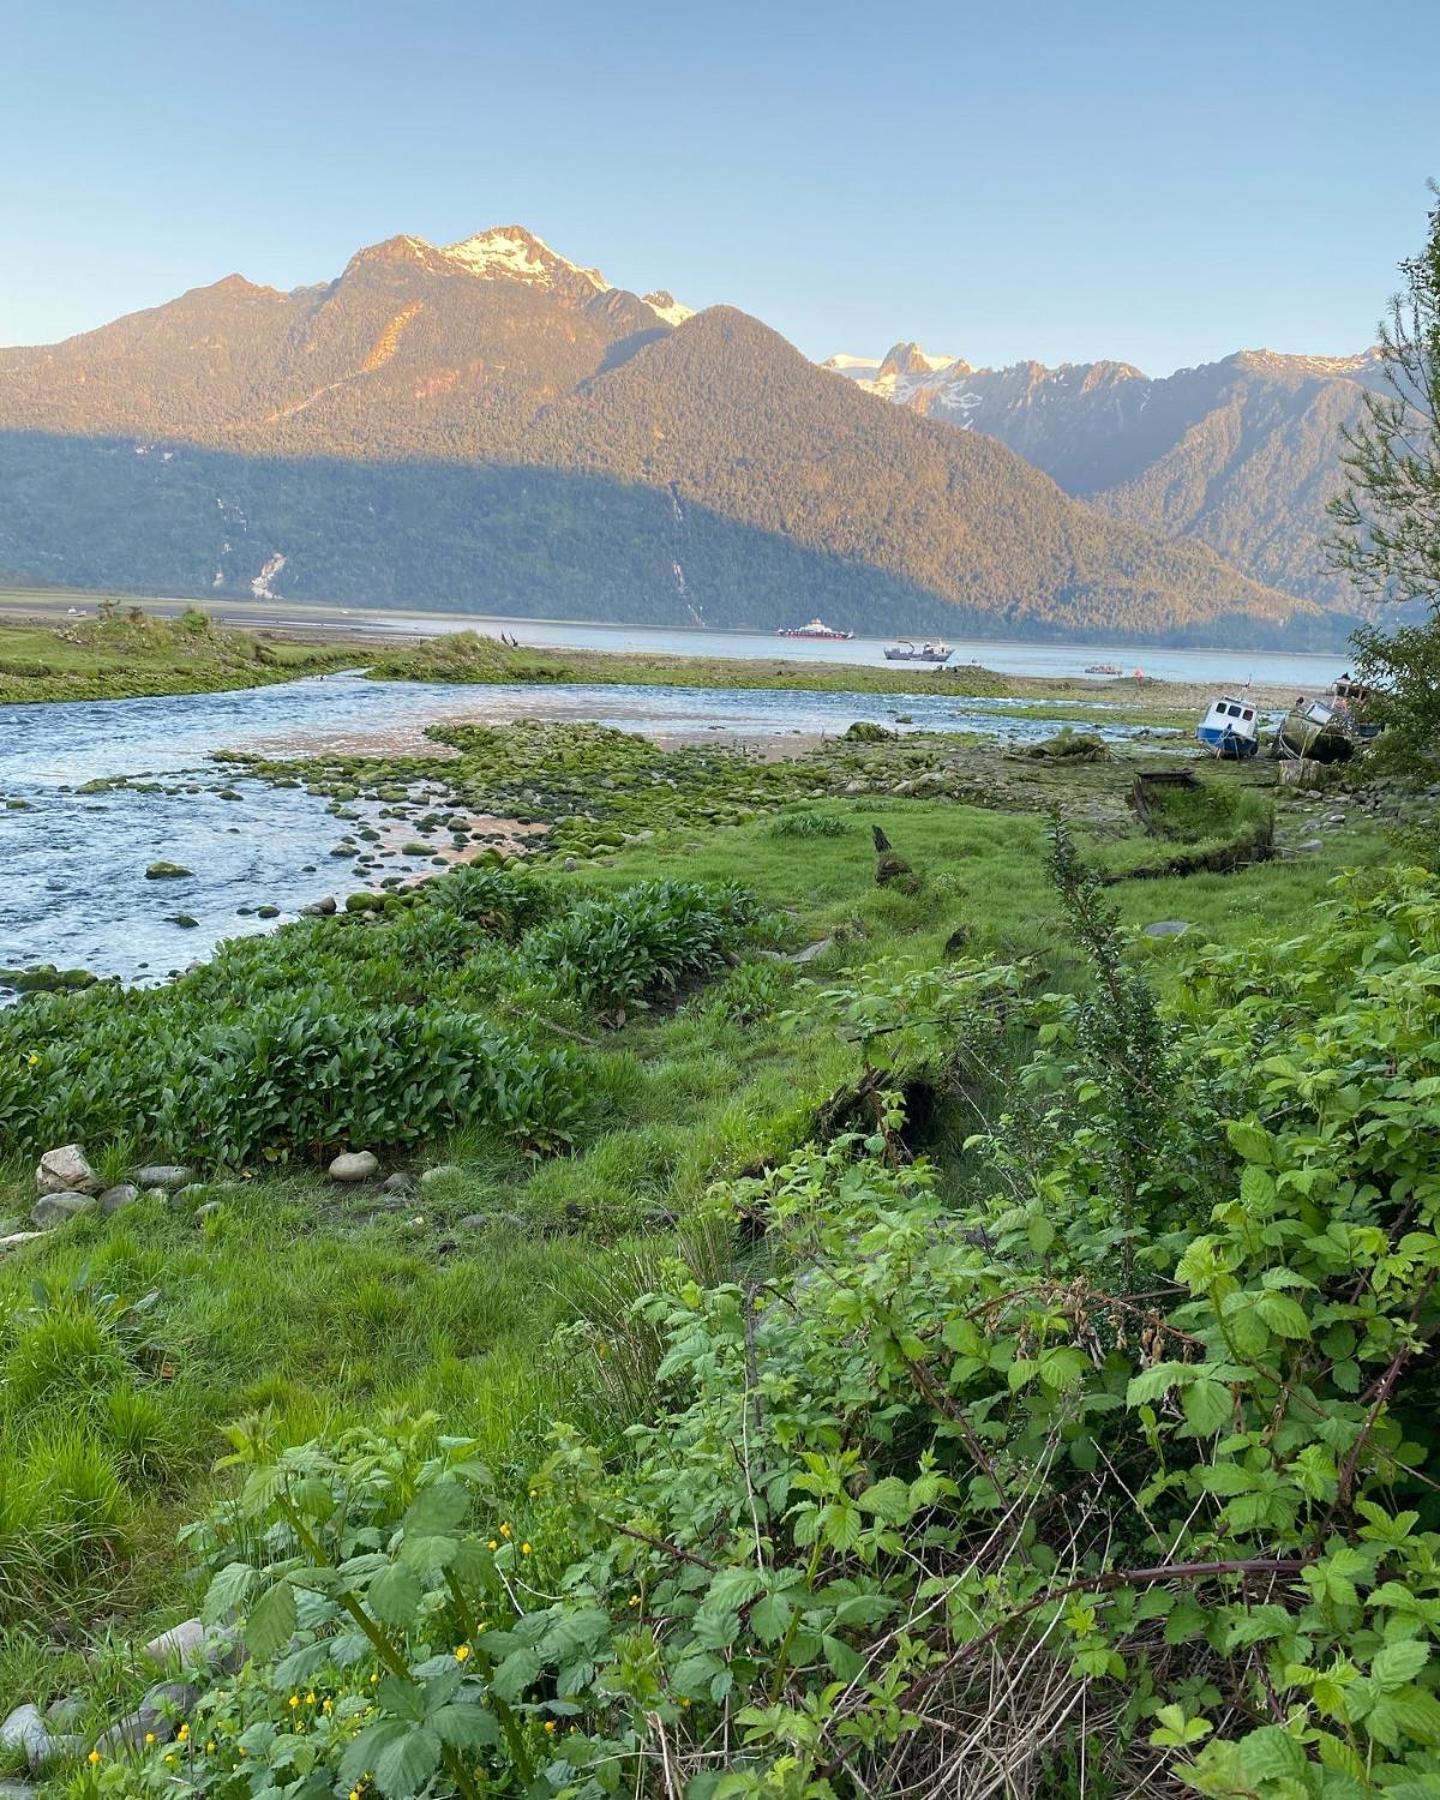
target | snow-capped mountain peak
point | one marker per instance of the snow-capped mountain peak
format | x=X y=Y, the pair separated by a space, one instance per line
x=665 y=306
x=512 y=253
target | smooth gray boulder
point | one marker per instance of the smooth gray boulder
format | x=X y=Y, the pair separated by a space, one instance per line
x=24 y=1730
x=65 y=1170
x=14 y=1239
x=441 y=1172
x=120 y=1195
x=354 y=1165
x=185 y=1640
x=1167 y=928
x=164 y=1175
x=55 y=1209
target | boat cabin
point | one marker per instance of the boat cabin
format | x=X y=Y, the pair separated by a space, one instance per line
x=1231 y=727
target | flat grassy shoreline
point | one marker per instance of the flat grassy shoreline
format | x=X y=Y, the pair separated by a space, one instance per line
x=127 y=653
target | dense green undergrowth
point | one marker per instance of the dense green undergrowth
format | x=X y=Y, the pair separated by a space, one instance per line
x=500 y=1297
x=1114 y=1460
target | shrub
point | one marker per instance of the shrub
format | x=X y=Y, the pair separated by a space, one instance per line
x=931 y=1483
x=646 y=940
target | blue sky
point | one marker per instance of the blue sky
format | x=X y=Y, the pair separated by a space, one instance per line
x=1046 y=178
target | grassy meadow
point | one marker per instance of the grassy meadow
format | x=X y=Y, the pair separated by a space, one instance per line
x=128 y=1342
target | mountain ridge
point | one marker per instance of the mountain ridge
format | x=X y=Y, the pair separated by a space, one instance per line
x=743 y=479
x=1242 y=454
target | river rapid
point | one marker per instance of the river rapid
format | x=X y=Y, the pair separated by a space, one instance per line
x=74 y=889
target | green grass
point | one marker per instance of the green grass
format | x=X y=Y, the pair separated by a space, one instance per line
x=328 y=1307
x=126 y=653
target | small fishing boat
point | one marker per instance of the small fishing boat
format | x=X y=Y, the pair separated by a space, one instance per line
x=1103 y=669
x=817 y=628
x=1231 y=728
x=905 y=651
x=1320 y=731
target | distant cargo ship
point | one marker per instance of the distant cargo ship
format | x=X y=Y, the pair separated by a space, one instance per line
x=817 y=628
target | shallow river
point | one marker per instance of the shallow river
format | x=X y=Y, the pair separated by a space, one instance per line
x=74 y=890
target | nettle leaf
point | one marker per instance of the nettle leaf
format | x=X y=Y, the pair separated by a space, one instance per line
x=1284 y=1316
x=467 y=1727
x=770 y=1617
x=1157 y=1380
x=845 y=1661
x=272 y=1622
x=731 y=1588
x=401 y=1757
x=395 y=1594
x=226 y=1591
x=1207 y=1406
x=1271 y=1754
x=437 y=1511
x=515 y=1674
x=1398 y=1664
x=1250 y=1141
x=888 y=1499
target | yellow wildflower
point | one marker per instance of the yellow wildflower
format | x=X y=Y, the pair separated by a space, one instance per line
x=494 y=1543
x=634 y=1599
x=524 y=1549
x=327 y=1705
x=505 y=1531
x=183 y=1734
x=354 y=1794
x=93 y=1758
x=210 y=1745
x=549 y=1724
x=462 y=1651
x=149 y=1737
x=294 y=1700
x=33 y=1058
x=310 y=1698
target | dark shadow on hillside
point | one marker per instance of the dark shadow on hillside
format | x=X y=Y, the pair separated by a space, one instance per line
x=492 y=538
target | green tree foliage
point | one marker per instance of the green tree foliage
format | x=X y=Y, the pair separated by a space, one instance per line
x=1388 y=536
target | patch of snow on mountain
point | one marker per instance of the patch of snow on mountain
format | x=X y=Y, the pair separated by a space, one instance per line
x=509 y=251
x=665 y=306
x=858 y=368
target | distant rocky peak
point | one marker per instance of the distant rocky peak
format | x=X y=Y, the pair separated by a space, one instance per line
x=511 y=253
x=910 y=359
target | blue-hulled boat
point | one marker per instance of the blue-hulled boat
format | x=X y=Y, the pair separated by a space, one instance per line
x=1231 y=728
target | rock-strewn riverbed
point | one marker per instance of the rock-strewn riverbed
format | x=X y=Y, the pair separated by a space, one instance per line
x=76 y=844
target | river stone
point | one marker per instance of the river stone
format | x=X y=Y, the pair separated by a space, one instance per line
x=65 y=1170
x=354 y=1165
x=122 y=1194
x=166 y=871
x=398 y=1183
x=14 y=1239
x=24 y=1730
x=185 y=1640
x=160 y=1711
x=209 y=1210
x=164 y=1175
x=811 y=951
x=54 y=1209
x=320 y=909
x=441 y=1172
x=189 y=1195
x=1167 y=928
